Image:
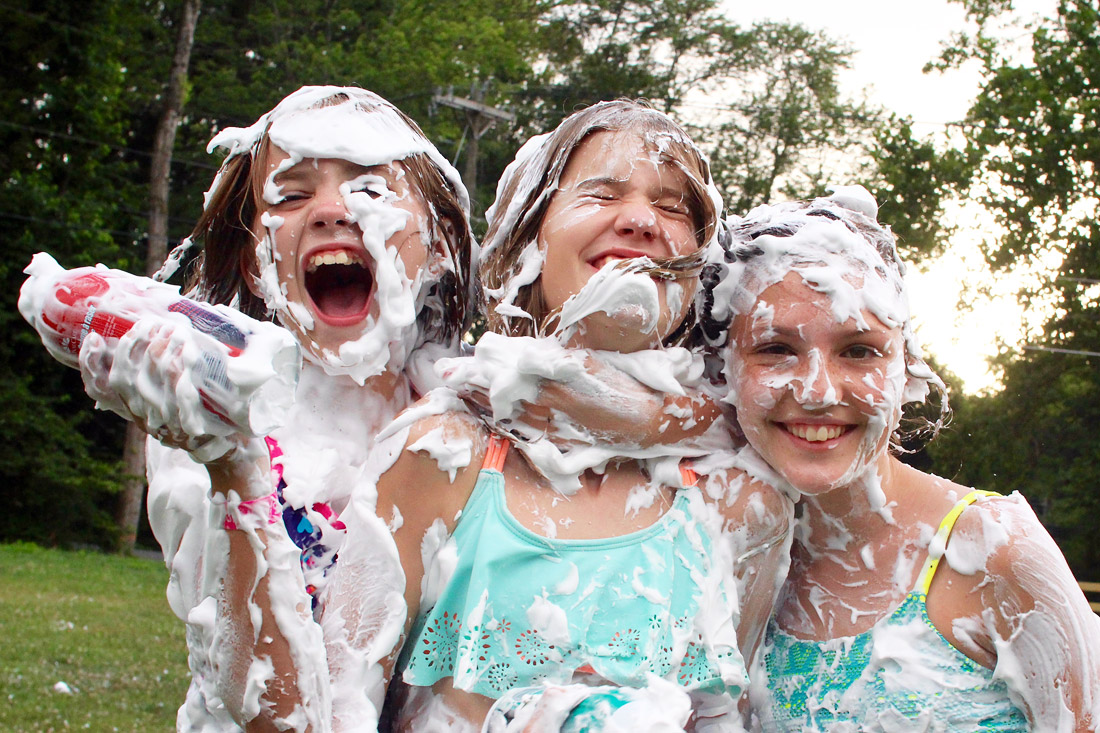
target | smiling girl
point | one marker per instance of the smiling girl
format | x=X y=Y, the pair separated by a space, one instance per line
x=913 y=603
x=623 y=574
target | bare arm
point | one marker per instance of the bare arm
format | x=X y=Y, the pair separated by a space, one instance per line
x=575 y=397
x=375 y=593
x=616 y=408
x=1046 y=638
x=758 y=534
x=253 y=643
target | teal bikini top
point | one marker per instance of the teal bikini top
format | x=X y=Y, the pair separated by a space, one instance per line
x=901 y=674
x=520 y=608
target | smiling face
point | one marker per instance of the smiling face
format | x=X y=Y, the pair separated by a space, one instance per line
x=817 y=398
x=330 y=282
x=617 y=200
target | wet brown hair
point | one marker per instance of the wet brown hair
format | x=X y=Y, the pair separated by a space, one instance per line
x=224 y=270
x=530 y=182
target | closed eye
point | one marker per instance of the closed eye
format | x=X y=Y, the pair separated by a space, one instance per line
x=288 y=198
x=774 y=349
x=372 y=184
x=373 y=190
x=676 y=208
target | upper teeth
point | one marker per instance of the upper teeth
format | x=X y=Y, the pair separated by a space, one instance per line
x=816 y=434
x=338 y=257
x=599 y=262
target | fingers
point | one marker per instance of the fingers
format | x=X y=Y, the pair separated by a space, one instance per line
x=145 y=378
x=95 y=369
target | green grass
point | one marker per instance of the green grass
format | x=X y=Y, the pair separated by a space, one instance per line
x=100 y=624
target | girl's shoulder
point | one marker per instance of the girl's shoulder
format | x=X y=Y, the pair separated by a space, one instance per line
x=1008 y=536
x=442 y=447
x=749 y=504
x=1029 y=610
x=986 y=531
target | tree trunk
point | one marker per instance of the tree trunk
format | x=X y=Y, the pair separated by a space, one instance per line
x=129 y=509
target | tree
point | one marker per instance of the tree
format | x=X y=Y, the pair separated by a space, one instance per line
x=763 y=100
x=69 y=188
x=1033 y=136
x=79 y=125
x=785 y=126
x=133 y=452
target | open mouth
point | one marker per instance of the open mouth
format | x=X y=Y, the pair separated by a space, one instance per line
x=340 y=283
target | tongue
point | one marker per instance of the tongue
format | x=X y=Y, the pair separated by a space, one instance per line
x=343 y=301
x=339 y=291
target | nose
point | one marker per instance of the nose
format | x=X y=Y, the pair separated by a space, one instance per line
x=329 y=209
x=637 y=218
x=814 y=387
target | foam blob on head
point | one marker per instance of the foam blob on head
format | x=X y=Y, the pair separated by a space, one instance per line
x=512 y=260
x=397 y=183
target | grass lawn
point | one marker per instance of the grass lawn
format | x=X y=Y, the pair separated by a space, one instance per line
x=100 y=624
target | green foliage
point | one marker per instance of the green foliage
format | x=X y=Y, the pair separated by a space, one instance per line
x=786 y=121
x=911 y=180
x=55 y=486
x=1038 y=437
x=79 y=113
x=71 y=187
x=98 y=623
x=1034 y=139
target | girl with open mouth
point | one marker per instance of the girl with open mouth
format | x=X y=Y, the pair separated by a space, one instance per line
x=337 y=217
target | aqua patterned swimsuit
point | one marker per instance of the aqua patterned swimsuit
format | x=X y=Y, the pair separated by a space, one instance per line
x=520 y=608
x=900 y=675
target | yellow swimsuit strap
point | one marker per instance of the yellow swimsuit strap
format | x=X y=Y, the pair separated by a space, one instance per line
x=939 y=542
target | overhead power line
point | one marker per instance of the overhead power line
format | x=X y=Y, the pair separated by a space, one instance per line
x=1078 y=352
x=113 y=146
x=135 y=234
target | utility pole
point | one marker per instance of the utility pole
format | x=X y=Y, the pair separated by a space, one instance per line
x=480 y=118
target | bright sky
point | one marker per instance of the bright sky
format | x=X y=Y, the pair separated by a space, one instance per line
x=893 y=42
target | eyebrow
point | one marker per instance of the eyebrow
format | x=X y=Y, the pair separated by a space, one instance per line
x=848 y=333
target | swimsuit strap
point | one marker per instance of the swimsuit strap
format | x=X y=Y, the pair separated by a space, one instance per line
x=495 y=455
x=939 y=542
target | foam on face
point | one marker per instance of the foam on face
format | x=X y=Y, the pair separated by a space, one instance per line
x=832 y=259
x=1045 y=640
x=376 y=137
x=526 y=171
x=511 y=369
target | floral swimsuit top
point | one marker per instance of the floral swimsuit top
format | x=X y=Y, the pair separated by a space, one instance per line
x=901 y=674
x=519 y=608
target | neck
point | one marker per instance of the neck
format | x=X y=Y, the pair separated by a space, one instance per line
x=854 y=514
x=331 y=411
x=853 y=560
